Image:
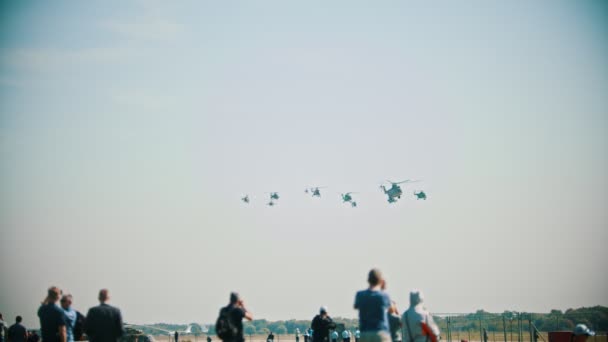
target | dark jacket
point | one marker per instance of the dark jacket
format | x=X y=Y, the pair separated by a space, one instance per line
x=104 y=324
x=17 y=333
x=321 y=326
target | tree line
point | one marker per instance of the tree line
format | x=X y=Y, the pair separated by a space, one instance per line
x=595 y=318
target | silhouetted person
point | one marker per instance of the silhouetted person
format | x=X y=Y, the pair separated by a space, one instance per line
x=321 y=325
x=235 y=312
x=270 y=337
x=208 y=338
x=104 y=322
x=17 y=332
x=485 y=335
x=373 y=304
x=52 y=318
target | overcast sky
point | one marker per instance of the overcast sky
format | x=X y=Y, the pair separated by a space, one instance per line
x=129 y=131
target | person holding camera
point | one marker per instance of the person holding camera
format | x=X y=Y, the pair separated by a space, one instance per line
x=373 y=304
x=321 y=325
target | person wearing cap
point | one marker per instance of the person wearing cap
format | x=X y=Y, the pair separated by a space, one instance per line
x=581 y=333
x=373 y=304
x=418 y=324
x=321 y=325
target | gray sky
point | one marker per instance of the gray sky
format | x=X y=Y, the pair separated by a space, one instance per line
x=129 y=131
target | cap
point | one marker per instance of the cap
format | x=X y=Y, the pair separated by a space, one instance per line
x=323 y=309
x=582 y=329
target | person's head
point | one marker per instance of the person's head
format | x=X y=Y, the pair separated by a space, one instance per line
x=104 y=295
x=52 y=295
x=323 y=310
x=1 y=316
x=18 y=319
x=66 y=301
x=374 y=278
x=416 y=297
x=581 y=333
x=235 y=298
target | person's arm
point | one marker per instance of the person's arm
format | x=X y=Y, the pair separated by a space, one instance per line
x=63 y=335
x=356 y=305
x=247 y=314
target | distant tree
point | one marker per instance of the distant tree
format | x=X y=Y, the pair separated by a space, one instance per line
x=280 y=329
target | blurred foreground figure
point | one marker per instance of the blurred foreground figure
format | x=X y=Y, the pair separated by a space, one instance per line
x=104 y=322
x=17 y=332
x=417 y=322
x=321 y=325
x=373 y=304
x=52 y=319
x=229 y=324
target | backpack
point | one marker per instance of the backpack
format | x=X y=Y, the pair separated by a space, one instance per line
x=224 y=327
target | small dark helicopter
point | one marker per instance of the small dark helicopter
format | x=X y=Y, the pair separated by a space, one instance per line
x=420 y=195
x=394 y=192
x=270 y=204
x=347 y=198
x=274 y=196
x=315 y=191
x=245 y=199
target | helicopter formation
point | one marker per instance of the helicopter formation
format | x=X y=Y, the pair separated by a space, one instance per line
x=393 y=193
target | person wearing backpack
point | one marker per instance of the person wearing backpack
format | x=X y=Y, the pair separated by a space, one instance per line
x=229 y=324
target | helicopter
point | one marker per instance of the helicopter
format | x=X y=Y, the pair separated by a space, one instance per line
x=315 y=191
x=274 y=196
x=395 y=192
x=271 y=203
x=348 y=198
x=245 y=199
x=420 y=195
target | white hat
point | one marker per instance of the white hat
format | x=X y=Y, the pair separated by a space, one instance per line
x=582 y=329
x=323 y=309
